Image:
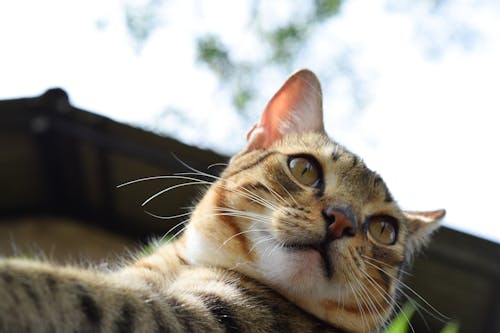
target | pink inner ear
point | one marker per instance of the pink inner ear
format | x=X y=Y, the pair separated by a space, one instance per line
x=427 y=216
x=295 y=108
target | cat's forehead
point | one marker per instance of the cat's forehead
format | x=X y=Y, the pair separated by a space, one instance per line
x=314 y=142
x=322 y=148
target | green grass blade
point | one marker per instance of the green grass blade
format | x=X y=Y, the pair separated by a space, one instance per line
x=451 y=327
x=400 y=324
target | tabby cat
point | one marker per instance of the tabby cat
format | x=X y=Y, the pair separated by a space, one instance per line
x=296 y=235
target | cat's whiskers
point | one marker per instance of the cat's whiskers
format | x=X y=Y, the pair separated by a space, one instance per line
x=184 y=226
x=374 y=303
x=279 y=245
x=268 y=249
x=225 y=211
x=384 y=264
x=262 y=239
x=274 y=193
x=197 y=172
x=170 y=217
x=217 y=164
x=266 y=219
x=252 y=218
x=240 y=263
x=416 y=305
x=255 y=217
x=254 y=198
x=240 y=233
x=139 y=180
x=178 y=232
x=194 y=181
x=355 y=294
x=288 y=192
x=386 y=296
x=392 y=299
x=363 y=294
x=400 y=285
x=197 y=181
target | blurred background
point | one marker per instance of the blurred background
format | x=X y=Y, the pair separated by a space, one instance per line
x=411 y=86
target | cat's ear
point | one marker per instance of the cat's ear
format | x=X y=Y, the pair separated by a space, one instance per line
x=297 y=107
x=421 y=225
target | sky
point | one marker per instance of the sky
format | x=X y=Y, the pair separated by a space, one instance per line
x=430 y=126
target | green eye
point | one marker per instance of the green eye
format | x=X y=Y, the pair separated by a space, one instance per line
x=383 y=229
x=304 y=170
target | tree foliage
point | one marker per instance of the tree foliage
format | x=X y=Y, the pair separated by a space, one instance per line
x=283 y=42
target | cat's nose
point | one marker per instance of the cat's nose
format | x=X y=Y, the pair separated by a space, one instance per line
x=341 y=222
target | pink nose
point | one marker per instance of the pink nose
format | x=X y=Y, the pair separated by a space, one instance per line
x=341 y=222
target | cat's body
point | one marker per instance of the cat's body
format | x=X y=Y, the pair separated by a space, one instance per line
x=296 y=235
x=38 y=297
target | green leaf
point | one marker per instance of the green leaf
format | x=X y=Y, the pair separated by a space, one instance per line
x=451 y=327
x=286 y=40
x=401 y=322
x=325 y=9
x=241 y=98
x=212 y=52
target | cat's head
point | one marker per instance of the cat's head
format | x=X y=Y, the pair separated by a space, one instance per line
x=305 y=216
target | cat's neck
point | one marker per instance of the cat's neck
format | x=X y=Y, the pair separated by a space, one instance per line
x=212 y=238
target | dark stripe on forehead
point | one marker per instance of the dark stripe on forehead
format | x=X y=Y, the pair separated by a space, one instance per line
x=336 y=153
x=355 y=160
x=222 y=312
x=252 y=164
x=387 y=194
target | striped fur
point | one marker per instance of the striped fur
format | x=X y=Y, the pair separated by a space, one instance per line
x=262 y=251
x=39 y=297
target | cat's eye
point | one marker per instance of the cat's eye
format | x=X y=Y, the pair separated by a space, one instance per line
x=305 y=170
x=383 y=229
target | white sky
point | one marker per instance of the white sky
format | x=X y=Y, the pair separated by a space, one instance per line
x=430 y=128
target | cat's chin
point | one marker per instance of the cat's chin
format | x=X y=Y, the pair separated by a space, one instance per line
x=299 y=272
x=295 y=272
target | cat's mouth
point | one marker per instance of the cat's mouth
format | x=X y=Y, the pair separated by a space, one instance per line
x=322 y=249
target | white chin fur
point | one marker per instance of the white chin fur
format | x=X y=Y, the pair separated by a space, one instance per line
x=198 y=250
x=295 y=273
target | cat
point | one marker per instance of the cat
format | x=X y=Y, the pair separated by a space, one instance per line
x=296 y=235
